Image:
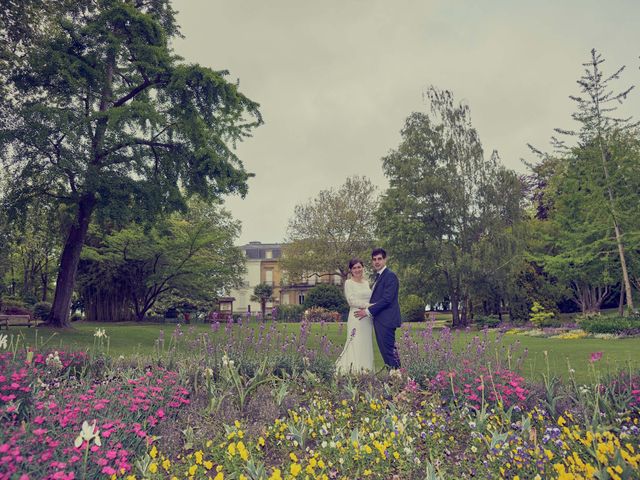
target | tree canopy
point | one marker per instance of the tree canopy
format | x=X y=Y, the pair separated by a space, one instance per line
x=447 y=204
x=335 y=226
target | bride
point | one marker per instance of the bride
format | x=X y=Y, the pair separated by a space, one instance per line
x=357 y=355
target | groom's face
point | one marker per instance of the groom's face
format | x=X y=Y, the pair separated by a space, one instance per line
x=378 y=262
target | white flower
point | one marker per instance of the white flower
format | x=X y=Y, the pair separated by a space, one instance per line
x=88 y=433
x=3 y=341
x=53 y=361
x=100 y=332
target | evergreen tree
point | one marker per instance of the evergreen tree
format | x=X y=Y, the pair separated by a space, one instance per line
x=598 y=130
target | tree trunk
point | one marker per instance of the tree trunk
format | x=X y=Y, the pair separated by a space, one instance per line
x=621 y=302
x=623 y=262
x=59 y=316
x=44 y=277
x=107 y=306
x=455 y=312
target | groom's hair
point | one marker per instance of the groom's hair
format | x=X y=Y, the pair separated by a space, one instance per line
x=378 y=251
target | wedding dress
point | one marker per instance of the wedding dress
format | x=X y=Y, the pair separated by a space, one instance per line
x=357 y=355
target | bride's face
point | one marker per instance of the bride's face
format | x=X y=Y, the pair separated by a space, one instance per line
x=357 y=271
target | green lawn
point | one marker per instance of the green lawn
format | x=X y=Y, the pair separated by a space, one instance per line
x=131 y=338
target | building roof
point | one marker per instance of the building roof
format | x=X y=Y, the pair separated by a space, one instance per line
x=258 y=250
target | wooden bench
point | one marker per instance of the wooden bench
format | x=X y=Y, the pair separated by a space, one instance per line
x=17 y=321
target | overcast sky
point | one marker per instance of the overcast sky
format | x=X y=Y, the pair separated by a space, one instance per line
x=337 y=78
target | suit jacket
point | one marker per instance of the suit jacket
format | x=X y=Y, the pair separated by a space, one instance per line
x=384 y=297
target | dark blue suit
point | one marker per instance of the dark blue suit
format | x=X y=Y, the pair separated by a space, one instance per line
x=386 y=315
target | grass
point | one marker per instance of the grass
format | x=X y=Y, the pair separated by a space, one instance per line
x=132 y=338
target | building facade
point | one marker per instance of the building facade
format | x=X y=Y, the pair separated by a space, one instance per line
x=262 y=261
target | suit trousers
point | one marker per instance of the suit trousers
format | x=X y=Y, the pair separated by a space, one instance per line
x=386 y=338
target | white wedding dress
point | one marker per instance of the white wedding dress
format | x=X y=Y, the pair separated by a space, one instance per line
x=357 y=355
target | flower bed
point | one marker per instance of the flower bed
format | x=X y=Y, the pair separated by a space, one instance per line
x=276 y=411
x=45 y=403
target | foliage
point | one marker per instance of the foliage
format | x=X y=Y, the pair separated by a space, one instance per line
x=449 y=211
x=263 y=293
x=331 y=229
x=31 y=240
x=186 y=257
x=610 y=324
x=41 y=310
x=290 y=313
x=488 y=321
x=412 y=308
x=101 y=115
x=330 y=297
x=542 y=318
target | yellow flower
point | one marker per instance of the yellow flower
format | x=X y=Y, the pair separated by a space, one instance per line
x=166 y=464
x=219 y=476
x=295 y=469
x=243 y=477
x=561 y=421
x=193 y=469
x=198 y=456
x=153 y=468
x=276 y=475
x=231 y=449
x=261 y=442
x=237 y=424
x=367 y=472
x=154 y=452
x=293 y=457
x=207 y=464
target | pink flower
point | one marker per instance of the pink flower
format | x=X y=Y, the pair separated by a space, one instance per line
x=595 y=356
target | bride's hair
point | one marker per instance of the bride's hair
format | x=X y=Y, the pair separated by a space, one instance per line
x=354 y=261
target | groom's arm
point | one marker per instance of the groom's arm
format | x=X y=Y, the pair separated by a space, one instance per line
x=389 y=293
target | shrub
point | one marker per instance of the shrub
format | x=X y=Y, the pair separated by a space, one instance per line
x=329 y=297
x=412 y=309
x=319 y=314
x=290 y=313
x=41 y=310
x=610 y=324
x=541 y=317
x=488 y=321
x=14 y=306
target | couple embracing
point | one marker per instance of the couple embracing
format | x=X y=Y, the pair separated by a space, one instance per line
x=371 y=309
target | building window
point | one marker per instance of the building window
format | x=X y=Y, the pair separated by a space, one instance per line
x=268 y=277
x=268 y=254
x=300 y=298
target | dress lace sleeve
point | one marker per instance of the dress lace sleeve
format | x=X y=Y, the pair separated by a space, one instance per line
x=350 y=294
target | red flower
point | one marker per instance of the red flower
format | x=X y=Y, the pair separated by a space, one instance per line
x=595 y=356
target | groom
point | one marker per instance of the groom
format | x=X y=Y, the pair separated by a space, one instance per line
x=385 y=308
